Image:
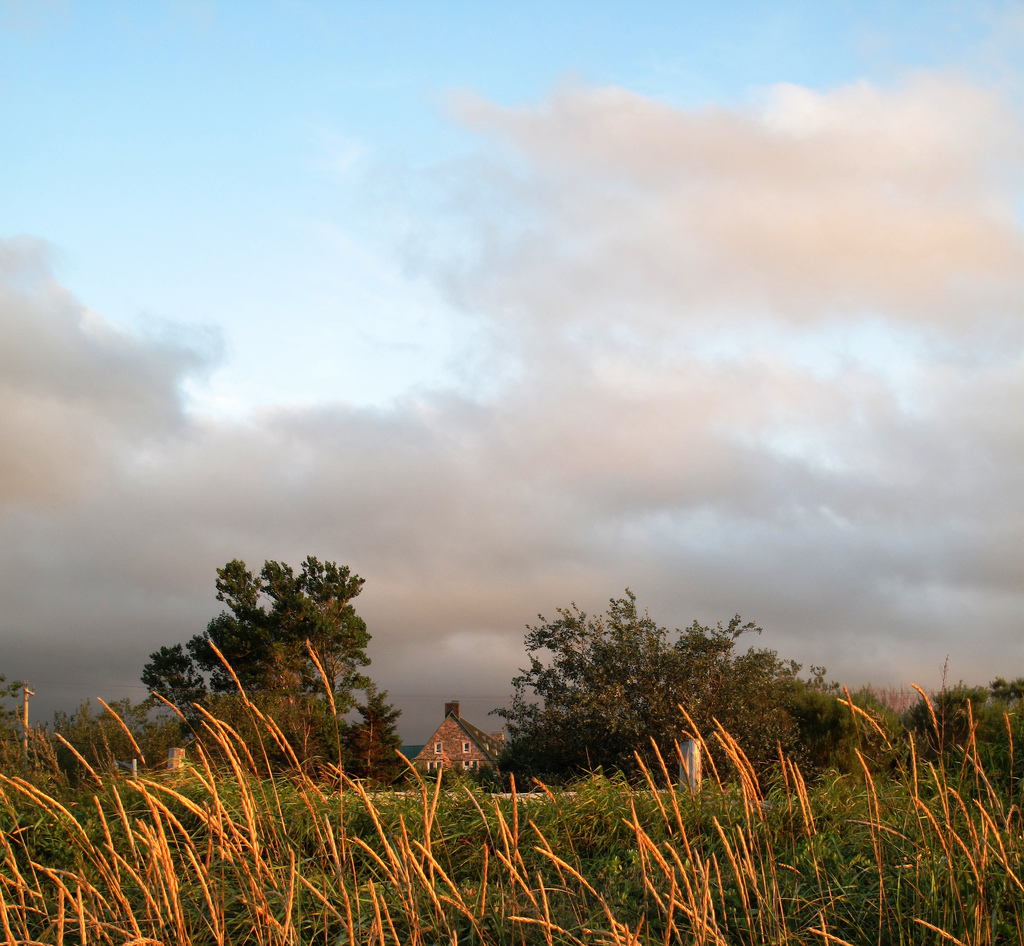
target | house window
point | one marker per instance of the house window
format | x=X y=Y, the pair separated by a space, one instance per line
x=437 y=748
x=465 y=763
x=430 y=766
x=465 y=747
x=475 y=764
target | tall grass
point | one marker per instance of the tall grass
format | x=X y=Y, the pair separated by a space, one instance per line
x=230 y=851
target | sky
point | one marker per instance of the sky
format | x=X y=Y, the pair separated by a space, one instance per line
x=508 y=308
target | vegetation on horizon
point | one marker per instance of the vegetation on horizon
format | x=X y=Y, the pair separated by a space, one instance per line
x=826 y=818
x=234 y=850
x=295 y=644
x=602 y=691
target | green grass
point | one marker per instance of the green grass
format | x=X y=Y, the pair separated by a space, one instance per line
x=232 y=853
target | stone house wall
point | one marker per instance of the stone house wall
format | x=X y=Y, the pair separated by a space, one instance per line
x=458 y=744
x=452 y=747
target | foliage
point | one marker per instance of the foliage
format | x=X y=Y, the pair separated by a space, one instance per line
x=238 y=852
x=305 y=720
x=1007 y=691
x=289 y=639
x=172 y=673
x=122 y=732
x=267 y=647
x=373 y=743
x=947 y=720
x=611 y=684
x=826 y=725
x=10 y=749
x=8 y=691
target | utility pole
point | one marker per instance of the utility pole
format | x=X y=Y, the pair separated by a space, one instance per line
x=24 y=730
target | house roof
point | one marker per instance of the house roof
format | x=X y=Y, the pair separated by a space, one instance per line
x=489 y=746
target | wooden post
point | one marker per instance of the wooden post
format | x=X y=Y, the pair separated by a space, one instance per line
x=26 y=693
x=689 y=766
x=175 y=759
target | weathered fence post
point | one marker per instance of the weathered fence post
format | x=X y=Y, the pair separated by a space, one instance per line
x=689 y=765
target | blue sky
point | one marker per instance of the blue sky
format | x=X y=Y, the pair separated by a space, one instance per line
x=507 y=307
x=249 y=169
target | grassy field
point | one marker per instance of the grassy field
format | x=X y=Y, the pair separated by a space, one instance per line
x=227 y=852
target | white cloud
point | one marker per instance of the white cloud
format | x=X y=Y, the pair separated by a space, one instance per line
x=765 y=361
x=804 y=207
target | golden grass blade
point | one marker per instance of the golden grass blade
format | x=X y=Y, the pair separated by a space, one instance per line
x=864 y=714
x=827 y=936
x=941 y=933
x=655 y=794
x=316 y=893
x=215 y=919
x=323 y=676
x=80 y=911
x=127 y=731
x=696 y=733
x=670 y=785
x=79 y=757
x=46 y=802
x=931 y=712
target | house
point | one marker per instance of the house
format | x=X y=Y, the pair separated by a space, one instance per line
x=459 y=744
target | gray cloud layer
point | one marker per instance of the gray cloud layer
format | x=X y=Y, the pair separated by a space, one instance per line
x=74 y=391
x=764 y=361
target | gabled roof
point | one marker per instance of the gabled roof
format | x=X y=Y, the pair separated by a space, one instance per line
x=489 y=746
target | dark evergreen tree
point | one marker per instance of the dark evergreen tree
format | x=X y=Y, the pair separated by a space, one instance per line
x=373 y=744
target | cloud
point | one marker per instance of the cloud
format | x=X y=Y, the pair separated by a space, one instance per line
x=806 y=206
x=762 y=360
x=73 y=388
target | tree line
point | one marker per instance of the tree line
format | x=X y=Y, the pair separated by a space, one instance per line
x=611 y=691
x=292 y=640
x=295 y=644
x=614 y=691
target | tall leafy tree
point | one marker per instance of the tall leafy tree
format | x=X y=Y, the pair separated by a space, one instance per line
x=262 y=635
x=315 y=606
x=599 y=688
x=172 y=673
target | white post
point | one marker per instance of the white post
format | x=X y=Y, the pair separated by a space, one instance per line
x=689 y=766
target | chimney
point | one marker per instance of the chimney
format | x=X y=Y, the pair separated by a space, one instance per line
x=499 y=737
x=450 y=708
